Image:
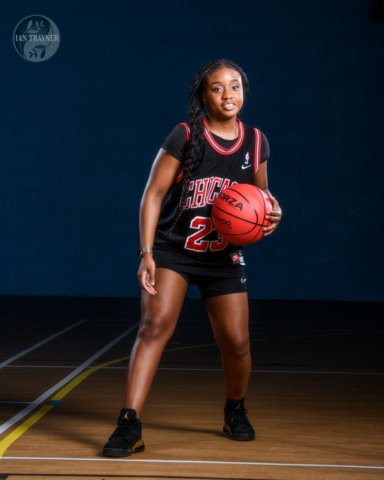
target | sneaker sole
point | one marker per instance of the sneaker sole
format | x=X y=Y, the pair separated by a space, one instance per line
x=245 y=437
x=120 y=452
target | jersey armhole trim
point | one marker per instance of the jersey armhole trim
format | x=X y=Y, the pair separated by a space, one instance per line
x=258 y=141
x=187 y=130
x=180 y=175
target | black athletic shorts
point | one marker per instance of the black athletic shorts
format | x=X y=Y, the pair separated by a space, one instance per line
x=212 y=279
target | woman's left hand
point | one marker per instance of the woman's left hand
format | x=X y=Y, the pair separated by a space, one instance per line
x=274 y=217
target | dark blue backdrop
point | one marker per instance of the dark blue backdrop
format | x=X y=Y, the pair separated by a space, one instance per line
x=78 y=134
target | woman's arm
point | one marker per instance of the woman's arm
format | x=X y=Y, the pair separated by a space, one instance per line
x=261 y=180
x=163 y=173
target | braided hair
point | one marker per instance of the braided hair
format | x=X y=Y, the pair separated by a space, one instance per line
x=193 y=155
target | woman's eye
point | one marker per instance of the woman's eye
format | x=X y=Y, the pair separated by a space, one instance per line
x=236 y=87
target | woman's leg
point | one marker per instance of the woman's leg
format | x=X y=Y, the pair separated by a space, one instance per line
x=229 y=316
x=159 y=315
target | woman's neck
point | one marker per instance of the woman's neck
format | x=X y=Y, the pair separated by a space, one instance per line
x=227 y=129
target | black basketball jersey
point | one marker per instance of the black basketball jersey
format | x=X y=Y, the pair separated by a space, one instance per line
x=224 y=163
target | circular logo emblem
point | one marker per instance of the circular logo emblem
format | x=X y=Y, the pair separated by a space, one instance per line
x=36 y=38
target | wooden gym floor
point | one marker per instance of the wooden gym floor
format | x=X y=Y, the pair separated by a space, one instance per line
x=315 y=395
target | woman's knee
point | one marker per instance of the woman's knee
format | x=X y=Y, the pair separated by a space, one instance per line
x=238 y=347
x=155 y=327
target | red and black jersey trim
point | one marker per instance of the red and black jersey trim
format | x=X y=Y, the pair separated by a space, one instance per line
x=180 y=175
x=220 y=149
x=187 y=130
x=258 y=141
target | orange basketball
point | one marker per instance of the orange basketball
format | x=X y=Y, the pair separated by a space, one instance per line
x=238 y=213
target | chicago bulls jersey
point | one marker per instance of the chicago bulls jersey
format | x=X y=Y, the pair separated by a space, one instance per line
x=224 y=163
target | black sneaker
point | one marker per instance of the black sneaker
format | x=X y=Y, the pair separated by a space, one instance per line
x=237 y=426
x=126 y=439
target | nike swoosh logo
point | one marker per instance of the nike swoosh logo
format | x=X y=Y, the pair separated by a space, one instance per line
x=243 y=167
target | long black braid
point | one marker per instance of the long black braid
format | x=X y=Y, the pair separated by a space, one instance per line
x=193 y=155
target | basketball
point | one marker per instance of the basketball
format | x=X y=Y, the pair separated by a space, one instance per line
x=238 y=213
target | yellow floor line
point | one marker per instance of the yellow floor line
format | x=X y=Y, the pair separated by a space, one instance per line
x=6 y=442
x=22 y=428
x=82 y=376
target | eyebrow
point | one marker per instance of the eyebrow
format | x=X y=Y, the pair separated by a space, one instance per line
x=221 y=83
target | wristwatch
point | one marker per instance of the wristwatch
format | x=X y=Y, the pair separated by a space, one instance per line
x=143 y=250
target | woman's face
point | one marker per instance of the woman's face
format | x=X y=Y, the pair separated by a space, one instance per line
x=223 y=93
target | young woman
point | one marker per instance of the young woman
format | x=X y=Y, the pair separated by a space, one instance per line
x=179 y=246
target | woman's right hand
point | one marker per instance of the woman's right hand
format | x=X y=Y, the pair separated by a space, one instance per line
x=146 y=274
